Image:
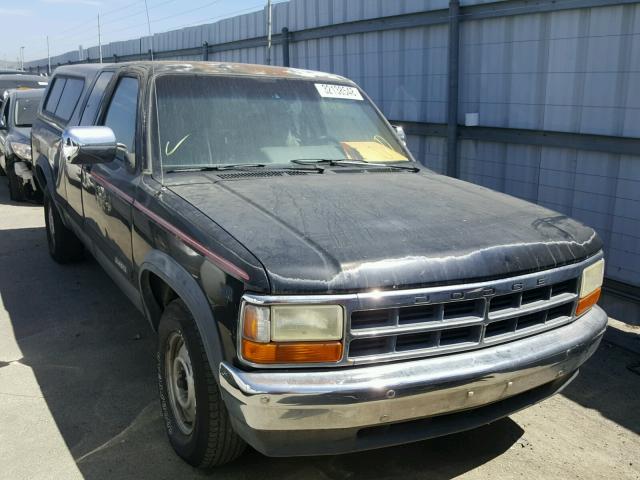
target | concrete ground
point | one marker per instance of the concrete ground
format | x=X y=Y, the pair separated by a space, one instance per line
x=78 y=394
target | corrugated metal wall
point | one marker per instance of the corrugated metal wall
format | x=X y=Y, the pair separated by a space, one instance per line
x=573 y=70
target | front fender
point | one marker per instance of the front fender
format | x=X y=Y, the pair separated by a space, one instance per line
x=190 y=292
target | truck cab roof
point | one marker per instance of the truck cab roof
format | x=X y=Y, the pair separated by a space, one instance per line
x=201 y=68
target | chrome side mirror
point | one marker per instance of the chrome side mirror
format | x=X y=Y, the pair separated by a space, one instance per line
x=401 y=135
x=89 y=145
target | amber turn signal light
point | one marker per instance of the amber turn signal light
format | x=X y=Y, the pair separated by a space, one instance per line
x=294 y=352
x=587 y=302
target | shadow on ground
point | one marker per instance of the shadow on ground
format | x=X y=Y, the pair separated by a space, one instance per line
x=610 y=386
x=93 y=357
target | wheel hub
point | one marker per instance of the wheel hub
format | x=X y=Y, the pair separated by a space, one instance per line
x=180 y=383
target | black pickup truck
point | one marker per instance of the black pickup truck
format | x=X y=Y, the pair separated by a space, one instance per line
x=315 y=290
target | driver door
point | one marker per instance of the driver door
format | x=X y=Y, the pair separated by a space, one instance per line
x=73 y=174
x=108 y=189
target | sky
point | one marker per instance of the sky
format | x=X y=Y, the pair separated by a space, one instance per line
x=70 y=23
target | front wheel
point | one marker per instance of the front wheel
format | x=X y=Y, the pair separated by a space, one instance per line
x=16 y=189
x=195 y=415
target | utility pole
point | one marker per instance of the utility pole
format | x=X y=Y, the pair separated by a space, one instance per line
x=453 y=169
x=48 y=58
x=22 y=58
x=146 y=8
x=99 y=39
x=269 y=18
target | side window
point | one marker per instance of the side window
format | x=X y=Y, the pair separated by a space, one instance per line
x=63 y=97
x=54 y=95
x=95 y=98
x=69 y=98
x=122 y=113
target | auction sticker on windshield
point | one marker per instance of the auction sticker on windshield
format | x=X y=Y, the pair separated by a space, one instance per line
x=338 y=91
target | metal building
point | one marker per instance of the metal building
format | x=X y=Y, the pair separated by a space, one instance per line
x=554 y=84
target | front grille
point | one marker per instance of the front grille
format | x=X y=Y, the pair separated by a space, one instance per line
x=451 y=321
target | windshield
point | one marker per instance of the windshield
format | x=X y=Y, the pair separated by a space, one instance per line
x=209 y=120
x=26 y=111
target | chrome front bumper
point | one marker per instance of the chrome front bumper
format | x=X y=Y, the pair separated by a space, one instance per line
x=300 y=412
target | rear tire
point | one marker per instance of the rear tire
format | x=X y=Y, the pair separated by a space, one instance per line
x=64 y=246
x=196 y=417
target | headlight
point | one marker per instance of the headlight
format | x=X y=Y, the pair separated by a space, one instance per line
x=22 y=150
x=292 y=333
x=590 y=286
x=312 y=323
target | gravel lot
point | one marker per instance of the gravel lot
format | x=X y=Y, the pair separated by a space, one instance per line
x=78 y=394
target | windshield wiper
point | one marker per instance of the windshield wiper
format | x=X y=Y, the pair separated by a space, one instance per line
x=239 y=166
x=212 y=168
x=345 y=163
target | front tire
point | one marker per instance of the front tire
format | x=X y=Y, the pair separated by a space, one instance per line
x=196 y=417
x=64 y=246
x=16 y=189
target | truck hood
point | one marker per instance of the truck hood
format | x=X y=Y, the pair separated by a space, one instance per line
x=341 y=232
